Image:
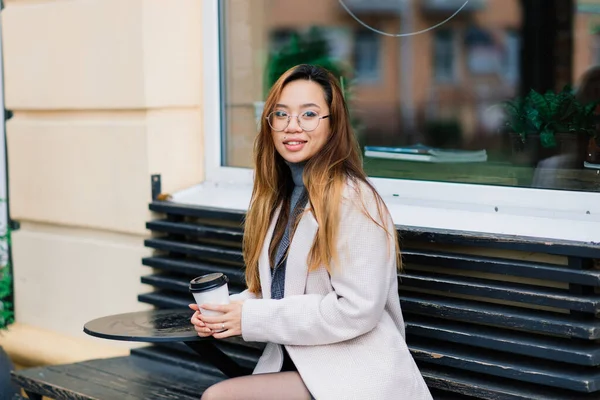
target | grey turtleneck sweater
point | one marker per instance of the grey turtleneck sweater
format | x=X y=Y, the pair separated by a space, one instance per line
x=298 y=201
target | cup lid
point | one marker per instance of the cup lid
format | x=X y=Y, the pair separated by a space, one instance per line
x=209 y=281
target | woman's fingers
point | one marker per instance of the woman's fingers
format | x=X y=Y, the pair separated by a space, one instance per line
x=205 y=334
x=229 y=311
x=224 y=308
x=225 y=334
x=194 y=307
x=200 y=327
x=217 y=327
x=228 y=324
x=203 y=331
x=197 y=321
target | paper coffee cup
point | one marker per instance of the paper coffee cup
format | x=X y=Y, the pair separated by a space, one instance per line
x=210 y=289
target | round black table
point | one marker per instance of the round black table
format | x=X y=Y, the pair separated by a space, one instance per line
x=157 y=326
x=145 y=326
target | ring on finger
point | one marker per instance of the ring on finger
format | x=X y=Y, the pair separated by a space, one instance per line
x=223 y=325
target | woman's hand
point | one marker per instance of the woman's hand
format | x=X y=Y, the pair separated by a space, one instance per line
x=230 y=320
x=199 y=326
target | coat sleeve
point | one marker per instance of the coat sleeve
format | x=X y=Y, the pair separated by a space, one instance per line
x=361 y=285
x=245 y=295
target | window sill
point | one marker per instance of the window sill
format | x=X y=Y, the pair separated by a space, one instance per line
x=435 y=214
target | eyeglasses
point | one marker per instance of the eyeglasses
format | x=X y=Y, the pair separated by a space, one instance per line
x=308 y=120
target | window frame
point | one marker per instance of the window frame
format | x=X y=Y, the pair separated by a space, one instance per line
x=541 y=213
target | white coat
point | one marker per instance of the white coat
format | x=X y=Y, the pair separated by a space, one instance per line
x=344 y=332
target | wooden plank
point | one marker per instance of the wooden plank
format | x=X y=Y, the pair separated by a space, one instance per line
x=58 y=384
x=179 y=355
x=500 y=266
x=201 y=251
x=201 y=231
x=566 y=350
x=128 y=378
x=576 y=378
x=488 y=387
x=190 y=267
x=500 y=315
x=497 y=241
x=211 y=213
x=244 y=353
x=455 y=309
x=420 y=234
x=517 y=292
x=154 y=378
x=163 y=299
x=175 y=283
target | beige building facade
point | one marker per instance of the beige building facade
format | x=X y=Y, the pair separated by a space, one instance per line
x=105 y=93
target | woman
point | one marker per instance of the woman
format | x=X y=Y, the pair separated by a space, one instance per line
x=321 y=261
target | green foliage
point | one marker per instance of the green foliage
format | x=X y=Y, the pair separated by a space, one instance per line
x=550 y=113
x=6 y=313
x=6 y=287
x=309 y=48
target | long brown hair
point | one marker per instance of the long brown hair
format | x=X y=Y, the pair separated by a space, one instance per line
x=325 y=176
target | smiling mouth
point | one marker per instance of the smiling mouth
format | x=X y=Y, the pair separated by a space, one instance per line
x=294 y=142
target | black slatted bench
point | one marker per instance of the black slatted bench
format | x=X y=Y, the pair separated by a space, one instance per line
x=487 y=316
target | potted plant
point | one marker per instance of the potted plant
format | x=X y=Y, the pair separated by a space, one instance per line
x=544 y=125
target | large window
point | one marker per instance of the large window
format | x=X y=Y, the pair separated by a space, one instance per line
x=471 y=171
x=431 y=107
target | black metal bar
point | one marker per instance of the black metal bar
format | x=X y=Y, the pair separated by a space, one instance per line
x=155 y=184
x=215 y=356
x=580 y=264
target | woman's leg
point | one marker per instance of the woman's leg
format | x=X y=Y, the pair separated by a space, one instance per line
x=276 y=386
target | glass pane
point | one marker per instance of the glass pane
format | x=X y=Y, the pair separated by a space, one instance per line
x=502 y=93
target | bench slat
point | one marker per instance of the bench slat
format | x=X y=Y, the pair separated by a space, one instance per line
x=188 y=210
x=127 y=378
x=500 y=266
x=212 y=232
x=245 y=356
x=509 y=291
x=465 y=285
x=567 y=350
x=492 y=388
x=581 y=379
x=414 y=233
x=168 y=282
x=164 y=299
x=500 y=241
x=190 y=267
x=204 y=252
x=455 y=309
x=501 y=315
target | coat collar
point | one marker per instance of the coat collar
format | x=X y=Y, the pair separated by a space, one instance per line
x=296 y=270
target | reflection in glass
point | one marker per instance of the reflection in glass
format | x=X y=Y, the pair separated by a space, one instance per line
x=434 y=106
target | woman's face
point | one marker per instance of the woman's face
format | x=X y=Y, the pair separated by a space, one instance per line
x=305 y=99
